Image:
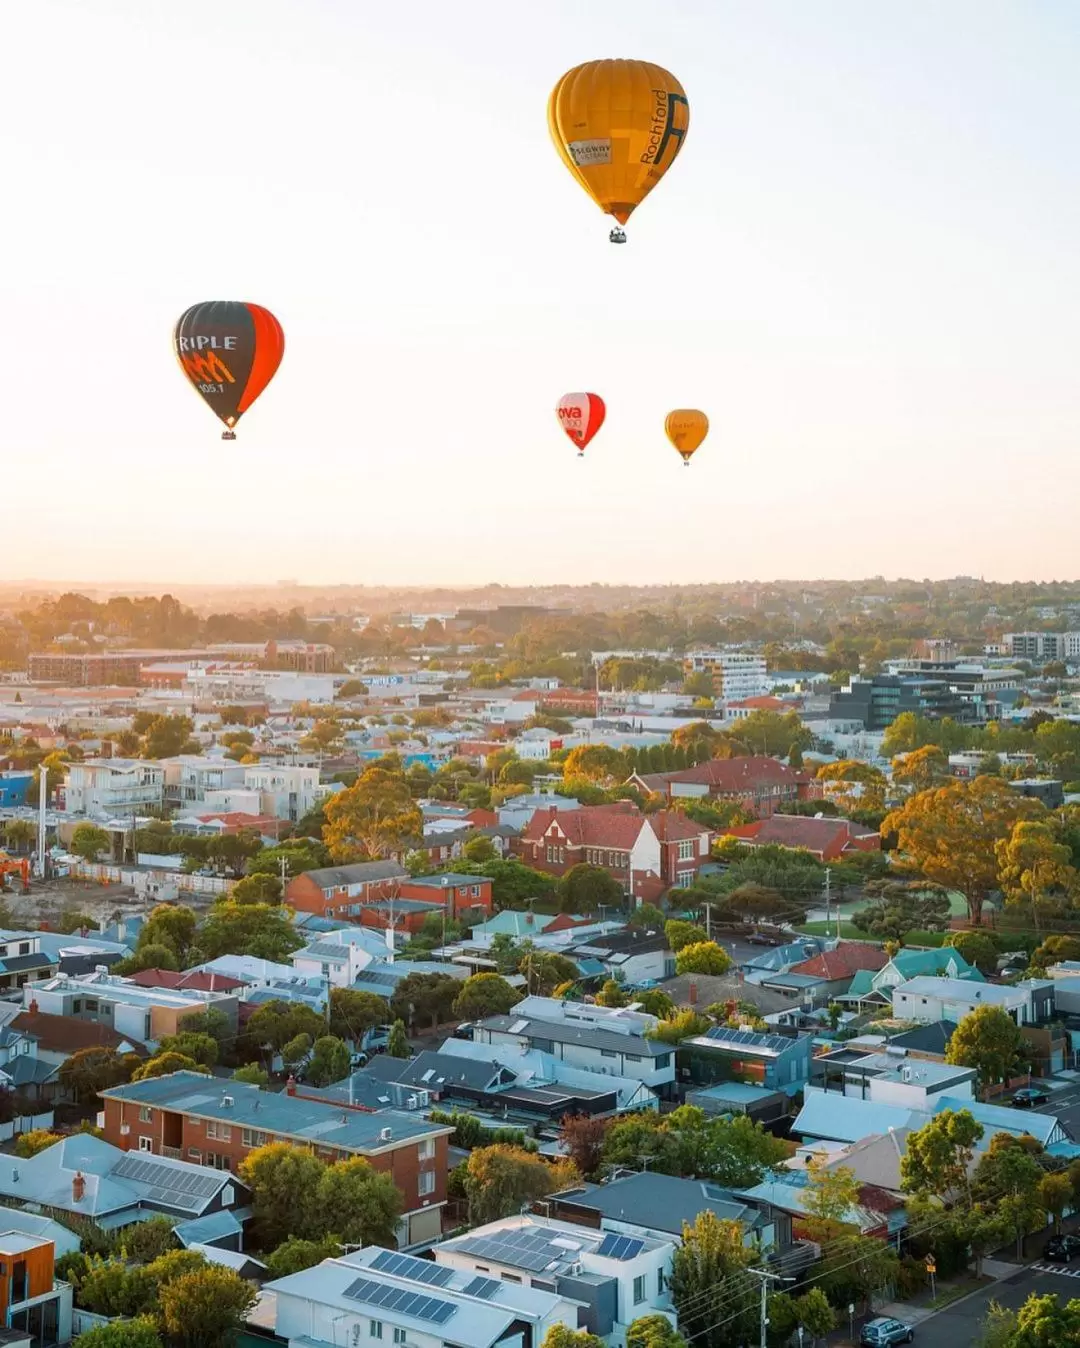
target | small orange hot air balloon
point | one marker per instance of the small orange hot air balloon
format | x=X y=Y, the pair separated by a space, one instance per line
x=229 y=350
x=686 y=428
x=581 y=415
x=618 y=126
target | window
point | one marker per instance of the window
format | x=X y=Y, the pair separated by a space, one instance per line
x=425 y=1182
x=399 y=1335
x=475 y=891
x=211 y=1130
x=24 y=947
x=639 y=1290
x=664 y=1060
x=608 y=1053
x=375 y=1328
x=511 y=1277
x=194 y=1154
x=632 y=1057
x=426 y=1149
x=146 y=1144
x=659 y=1282
x=246 y=1138
x=145 y=1114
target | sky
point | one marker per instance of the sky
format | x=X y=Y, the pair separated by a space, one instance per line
x=863 y=267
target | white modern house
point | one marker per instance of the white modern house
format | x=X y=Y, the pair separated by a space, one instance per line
x=108 y=786
x=929 y=999
x=188 y=778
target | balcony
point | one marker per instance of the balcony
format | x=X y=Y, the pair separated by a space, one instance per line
x=173 y=1153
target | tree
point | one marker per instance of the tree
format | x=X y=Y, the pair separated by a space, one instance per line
x=653 y=1331
x=485 y=995
x=562 y=1336
x=1034 y=866
x=142 y=1332
x=921 y=769
x=1043 y=1322
x=330 y=1061
x=950 y=834
x=257 y=888
x=358 y=1203
x=1007 y=1178
x=165 y=1064
x=655 y=1002
x=168 y=736
x=611 y=994
x=586 y=888
x=514 y=884
x=20 y=834
x=259 y=929
x=89 y=1071
x=206 y=1308
x=284 y=1182
x=977 y=948
x=544 y=971
x=681 y=1025
x=479 y=849
x=815 y=1314
x=38 y=1139
x=938 y=1156
x=252 y=1074
x=372 y=819
x=170 y=925
x=398 y=1043
x=681 y=933
x=597 y=763
x=501 y=1178
x=1054 y=949
x=854 y=784
x=582 y=1138
x=715 y=1298
x=296 y=1051
x=830 y=1194
x=425 y=998
x=88 y=841
x=147 y=957
x=989 y=1040
x=647 y=915
x=704 y=957
x=203 y=1048
x=353 y=1013
x=899 y=907
x=1055 y=1195
x=275 y=1023
x=299 y=855
x=295 y=1254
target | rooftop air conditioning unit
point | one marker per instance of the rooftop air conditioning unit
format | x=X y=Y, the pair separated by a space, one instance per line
x=125 y=1128
x=385 y=1134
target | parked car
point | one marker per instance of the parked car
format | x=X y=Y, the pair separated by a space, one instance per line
x=1029 y=1096
x=764 y=938
x=464 y=1031
x=1062 y=1249
x=884 y=1332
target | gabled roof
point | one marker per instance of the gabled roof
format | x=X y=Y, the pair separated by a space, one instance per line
x=792 y=830
x=732 y=775
x=842 y=1118
x=910 y=963
x=615 y=826
x=585 y=1035
x=65 y=1034
x=362 y=872
x=843 y=962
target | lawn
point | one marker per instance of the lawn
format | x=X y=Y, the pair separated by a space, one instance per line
x=847 y=930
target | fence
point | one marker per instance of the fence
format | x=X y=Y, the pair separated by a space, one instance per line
x=25 y=1123
x=149 y=882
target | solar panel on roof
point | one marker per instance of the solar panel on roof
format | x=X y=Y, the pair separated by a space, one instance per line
x=484 y=1288
x=182 y=1185
x=406 y=1266
x=620 y=1247
x=398 y=1299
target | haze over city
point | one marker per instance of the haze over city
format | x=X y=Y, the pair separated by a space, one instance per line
x=862 y=267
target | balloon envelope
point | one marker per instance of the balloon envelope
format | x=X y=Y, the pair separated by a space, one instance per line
x=229 y=350
x=581 y=415
x=686 y=428
x=618 y=126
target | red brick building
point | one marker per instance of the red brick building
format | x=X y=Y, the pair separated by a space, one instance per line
x=828 y=839
x=368 y=892
x=339 y=891
x=191 y=1117
x=646 y=853
x=757 y=783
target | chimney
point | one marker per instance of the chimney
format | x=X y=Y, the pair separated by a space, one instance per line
x=290 y=1086
x=33 y=1007
x=78 y=1187
x=691 y=993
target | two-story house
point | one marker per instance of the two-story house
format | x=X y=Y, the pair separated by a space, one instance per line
x=926 y=999
x=188 y=778
x=109 y=786
x=339 y=892
x=779 y=1062
x=874 y=988
x=217 y=1123
x=756 y=782
x=144 y=1015
x=646 y=853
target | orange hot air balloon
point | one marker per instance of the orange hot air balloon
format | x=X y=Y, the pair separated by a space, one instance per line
x=229 y=350
x=618 y=127
x=686 y=428
x=581 y=415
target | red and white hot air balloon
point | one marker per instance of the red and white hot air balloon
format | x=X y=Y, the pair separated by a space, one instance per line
x=581 y=415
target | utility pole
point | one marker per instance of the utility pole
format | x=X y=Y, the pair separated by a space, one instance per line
x=828 y=893
x=766 y=1279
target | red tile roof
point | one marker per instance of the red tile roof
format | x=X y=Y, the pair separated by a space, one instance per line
x=793 y=830
x=762 y=704
x=731 y=775
x=194 y=981
x=844 y=962
x=65 y=1034
x=616 y=826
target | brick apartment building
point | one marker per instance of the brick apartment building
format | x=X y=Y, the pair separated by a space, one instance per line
x=646 y=853
x=756 y=782
x=187 y=1116
x=364 y=893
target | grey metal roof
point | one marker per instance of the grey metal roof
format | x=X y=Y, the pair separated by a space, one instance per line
x=329 y=877
x=604 y=1040
x=432 y=1071
x=659 y=1202
x=530 y=1248
x=246 y=1106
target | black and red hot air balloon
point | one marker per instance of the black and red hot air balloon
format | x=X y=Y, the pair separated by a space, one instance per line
x=229 y=350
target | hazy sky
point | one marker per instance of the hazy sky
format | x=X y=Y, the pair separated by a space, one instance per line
x=864 y=266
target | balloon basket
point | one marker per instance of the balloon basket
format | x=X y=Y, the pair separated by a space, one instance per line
x=228 y=435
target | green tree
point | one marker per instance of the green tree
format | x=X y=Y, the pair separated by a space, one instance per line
x=257 y=888
x=425 y=999
x=485 y=995
x=164 y=1064
x=830 y=1194
x=89 y=1071
x=681 y=934
x=142 y=1332
x=655 y=1002
x=647 y=915
x=653 y=1331
x=586 y=888
x=611 y=994
x=252 y=1074
x=296 y=1051
x=562 y=1336
x=1007 y=1177
x=168 y=736
x=294 y=1255
x=170 y=925
x=358 y=1203
x=544 y=971
x=1043 y=1322
x=977 y=948
x=514 y=884
x=88 y=841
x=815 y=1314
x=1035 y=867
x=373 y=818
x=147 y=957
x=38 y=1139
x=284 y=1182
x=898 y=907
x=275 y=1023
x=398 y=1044
x=704 y=957
x=1055 y=1195
x=680 y=1025
x=989 y=1040
x=299 y=855
x=330 y=1061
x=262 y=930
x=938 y=1156
x=203 y=1048
x=715 y=1298
x=501 y=1178
x=353 y=1013
x=206 y=1308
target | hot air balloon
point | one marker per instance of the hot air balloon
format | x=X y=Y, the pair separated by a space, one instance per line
x=581 y=415
x=618 y=126
x=230 y=351
x=686 y=428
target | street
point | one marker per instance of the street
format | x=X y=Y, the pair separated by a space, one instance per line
x=1065 y=1104
x=962 y=1323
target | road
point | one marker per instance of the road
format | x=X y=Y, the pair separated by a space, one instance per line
x=1066 y=1105
x=962 y=1323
